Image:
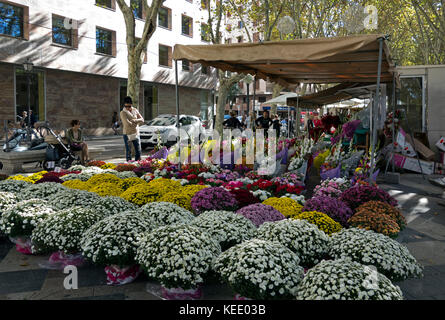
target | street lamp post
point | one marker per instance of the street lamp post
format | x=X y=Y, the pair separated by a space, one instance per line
x=28 y=66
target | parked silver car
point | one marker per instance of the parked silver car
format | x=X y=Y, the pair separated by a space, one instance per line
x=164 y=126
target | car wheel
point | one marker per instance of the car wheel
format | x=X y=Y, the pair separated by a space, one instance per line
x=144 y=146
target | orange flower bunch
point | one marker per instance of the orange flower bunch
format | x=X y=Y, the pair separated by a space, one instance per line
x=379 y=217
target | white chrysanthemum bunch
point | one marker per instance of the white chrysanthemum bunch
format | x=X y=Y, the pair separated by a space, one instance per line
x=299 y=198
x=166 y=213
x=20 y=219
x=41 y=191
x=346 y=280
x=13 y=186
x=305 y=239
x=206 y=175
x=63 y=231
x=228 y=228
x=370 y=248
x=77 y=168
x=259 y=269
x=110 y=205
x=295 y=164
x=178 y=256
x=73 y=198
x=114 y=239
x=7 y=199
x=262 y=194
x=80 y=176
x=125 y=174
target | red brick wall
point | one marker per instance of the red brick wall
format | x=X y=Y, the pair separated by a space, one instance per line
x=6 y=94
x=90 y=99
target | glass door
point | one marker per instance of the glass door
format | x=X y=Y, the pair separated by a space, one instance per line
x=37 y=94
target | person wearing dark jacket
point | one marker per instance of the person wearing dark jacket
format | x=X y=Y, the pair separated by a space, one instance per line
x=233 y=122
x=264 y=122
x=277 y=125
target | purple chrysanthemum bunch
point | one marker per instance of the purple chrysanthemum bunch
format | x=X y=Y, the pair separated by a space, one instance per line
x=214 y=198
x=259 y=213
x=360 y=194
x=334 y=208
x=330 y=191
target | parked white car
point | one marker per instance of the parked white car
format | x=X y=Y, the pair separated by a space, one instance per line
x=164 y=126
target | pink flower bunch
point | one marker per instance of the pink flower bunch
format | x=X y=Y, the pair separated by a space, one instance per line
x=233 y=185
x=333 y=207
x=213 y=198
x=333 y=190
x=260 y=213
x=360 y=194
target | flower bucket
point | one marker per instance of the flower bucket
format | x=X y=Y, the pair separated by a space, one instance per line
x=161 y=154
x=117 y=276
x=239 y=297
x=22 y=244
x=59 y=260
x=181 y=294
x=330 y=174
x=375 y=175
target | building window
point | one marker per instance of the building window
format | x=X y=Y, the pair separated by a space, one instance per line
x=261 y=99
x=187 y=65
x=411 y=97
x=228 y=41
x=204 y=4
x=187 y=25
x=12 y=20
x=62 y=35
x=138 y=8
x=205 y=32
x=110 y=4
x=165 y=56
x=104 y=41
x=165 y=18
x=240 y=25
x=239 y=39
x=229 y=27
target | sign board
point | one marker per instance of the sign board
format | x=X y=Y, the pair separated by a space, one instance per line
x=412 y=164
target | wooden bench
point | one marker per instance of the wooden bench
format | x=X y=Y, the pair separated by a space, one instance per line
x=13 y=161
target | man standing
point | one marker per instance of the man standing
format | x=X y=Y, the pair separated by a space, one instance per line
x=131 y=119
x=264 y=122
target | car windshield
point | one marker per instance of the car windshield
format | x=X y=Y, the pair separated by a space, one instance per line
x=162 y=121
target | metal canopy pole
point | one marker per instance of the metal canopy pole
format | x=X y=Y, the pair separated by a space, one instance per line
x=254 y=96
x=393 y=121
x=248 y=96
x=376 y=103
x=177 y=112
x=297 y=116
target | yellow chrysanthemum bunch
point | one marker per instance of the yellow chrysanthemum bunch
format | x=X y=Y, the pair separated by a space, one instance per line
x=163 y=186
x=107 y=189
x=192 y=189
x=141 y=194
x=76 y=184
x=130 y=182
x=180 y=198
x=287 y=206
x=319 y=160
x=31 y=179
x=321 y=220
x=108 y=166
x=20 y=178
x=103 y=178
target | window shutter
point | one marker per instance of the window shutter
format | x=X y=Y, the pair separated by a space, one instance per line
x=26 y=24
x=113 y=42
x=75 y=35
x=169 y=56
x=169 y=18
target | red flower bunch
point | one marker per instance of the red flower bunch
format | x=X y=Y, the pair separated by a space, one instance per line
x=125 y=167
x=244 y=197
x=96 y=163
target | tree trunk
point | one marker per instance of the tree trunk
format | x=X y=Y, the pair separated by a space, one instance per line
x=275 y=93
x=134 y=79
x=220 y=107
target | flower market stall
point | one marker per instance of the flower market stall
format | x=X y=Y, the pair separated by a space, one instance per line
x=185 y=226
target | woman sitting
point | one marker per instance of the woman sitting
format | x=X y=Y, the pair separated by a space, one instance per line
x=75 y=140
